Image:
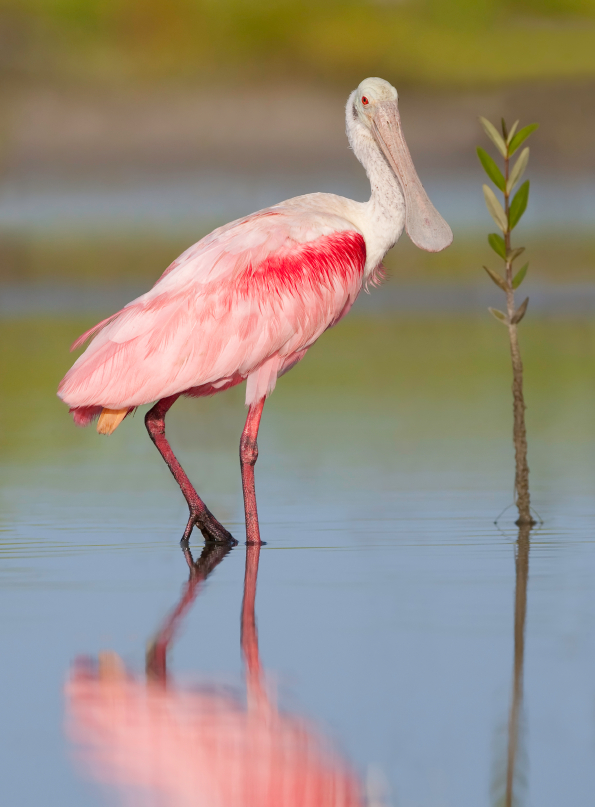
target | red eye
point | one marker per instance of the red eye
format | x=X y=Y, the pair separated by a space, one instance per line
x=365 y=101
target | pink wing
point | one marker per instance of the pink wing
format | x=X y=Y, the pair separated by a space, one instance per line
x=247 y=301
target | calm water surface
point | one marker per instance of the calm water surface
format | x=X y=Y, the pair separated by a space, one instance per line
x=386 y=594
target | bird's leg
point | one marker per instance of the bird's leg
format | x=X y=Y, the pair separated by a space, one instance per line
x=248 y=457
x=200 y=515
x=254 y=676
x=211 y=556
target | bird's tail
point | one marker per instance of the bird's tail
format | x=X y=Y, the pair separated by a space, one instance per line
x=110 y=419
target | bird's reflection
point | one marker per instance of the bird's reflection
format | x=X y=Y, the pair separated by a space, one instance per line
x=161 y=743
x=509 y=789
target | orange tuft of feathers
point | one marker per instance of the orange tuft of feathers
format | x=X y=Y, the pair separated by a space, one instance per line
x=110 y=419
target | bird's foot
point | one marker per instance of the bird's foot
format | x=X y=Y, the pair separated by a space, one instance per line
x=211 y=529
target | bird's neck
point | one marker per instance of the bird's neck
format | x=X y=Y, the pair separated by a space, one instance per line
x=383 y=216
x=386 y=206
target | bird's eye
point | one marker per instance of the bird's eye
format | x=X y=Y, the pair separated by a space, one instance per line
x=365 y=101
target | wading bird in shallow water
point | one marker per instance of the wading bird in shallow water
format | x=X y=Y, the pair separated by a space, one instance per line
x=247 y=301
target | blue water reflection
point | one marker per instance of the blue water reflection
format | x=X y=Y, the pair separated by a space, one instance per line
x=158 y=741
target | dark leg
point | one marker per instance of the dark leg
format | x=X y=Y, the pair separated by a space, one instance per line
x=156 y=657
x=248 y=457
x=200 y=515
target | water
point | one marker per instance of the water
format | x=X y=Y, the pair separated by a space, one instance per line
x=174 y=202
x=385 y=601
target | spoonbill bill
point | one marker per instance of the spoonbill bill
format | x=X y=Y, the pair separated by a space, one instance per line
x=247 y=301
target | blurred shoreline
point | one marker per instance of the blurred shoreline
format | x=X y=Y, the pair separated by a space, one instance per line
x=60 y=133
x=184 y=202
x=19 y=301
x=101 y=188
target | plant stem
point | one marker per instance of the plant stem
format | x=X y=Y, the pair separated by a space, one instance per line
x=520 y=611
x=521 y=481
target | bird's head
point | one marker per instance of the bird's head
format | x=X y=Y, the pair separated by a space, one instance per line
x=370 y=93
x=373 y=121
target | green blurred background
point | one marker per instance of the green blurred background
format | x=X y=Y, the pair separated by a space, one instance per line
x=426 y=42
x=129 y=129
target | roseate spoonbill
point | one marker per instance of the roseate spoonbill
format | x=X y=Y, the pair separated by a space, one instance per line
x=247 y=301
x=200 y=745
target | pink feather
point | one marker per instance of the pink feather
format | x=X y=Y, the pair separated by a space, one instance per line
x=246 y=302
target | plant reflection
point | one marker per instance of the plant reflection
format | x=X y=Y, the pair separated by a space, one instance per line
x=509 y=789
x=181 y=746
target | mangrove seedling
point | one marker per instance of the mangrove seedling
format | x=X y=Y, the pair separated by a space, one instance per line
x=507 y=216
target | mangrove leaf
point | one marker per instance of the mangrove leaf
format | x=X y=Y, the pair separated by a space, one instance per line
x=520 y=137
x=518 y=204
x=494 y=136
x=519 y=277
x=498 y=280
x=514 y=254
x=497 y=244
x=491 y=169
x=500 y=316
x=495 y=208
x=520 y=312
x=518 y=170
x=512 y=131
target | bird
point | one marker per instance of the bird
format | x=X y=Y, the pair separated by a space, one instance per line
x=249 y=300
x=162 y=742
